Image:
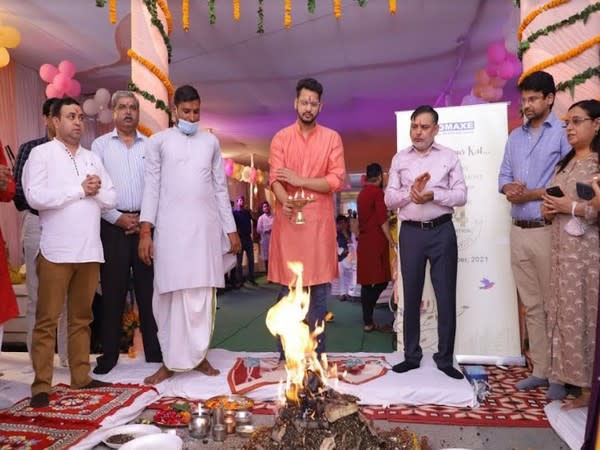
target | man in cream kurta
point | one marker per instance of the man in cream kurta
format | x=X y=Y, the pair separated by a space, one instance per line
x=187 y=202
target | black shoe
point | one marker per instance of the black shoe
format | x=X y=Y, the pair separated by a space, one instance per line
x=40 y=400
x=103 y=369
x=95 y=384
x=253 y=283
x=405 y=366
x=452 y=372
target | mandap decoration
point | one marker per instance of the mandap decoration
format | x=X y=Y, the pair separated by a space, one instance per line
x=236 y=10
x=9 y=38
x=561 y=37
x=60 y=79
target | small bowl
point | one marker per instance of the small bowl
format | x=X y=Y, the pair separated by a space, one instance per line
x=243 y=417
x=244 y=430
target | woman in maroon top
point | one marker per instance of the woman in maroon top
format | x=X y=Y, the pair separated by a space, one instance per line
x=373 y=261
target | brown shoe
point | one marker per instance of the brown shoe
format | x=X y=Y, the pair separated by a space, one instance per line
x=40 y=400
x=95 y=384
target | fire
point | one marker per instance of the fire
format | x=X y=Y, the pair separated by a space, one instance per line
x=286 y=320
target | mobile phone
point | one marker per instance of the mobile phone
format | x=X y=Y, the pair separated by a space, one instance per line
x=585 y=191
x=555 y=191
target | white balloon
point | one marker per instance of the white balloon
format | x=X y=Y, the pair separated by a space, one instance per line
x=90 y=107
x=102 y=96
x=105 y=116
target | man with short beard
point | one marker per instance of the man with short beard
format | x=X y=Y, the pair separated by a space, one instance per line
x=306 y=158
x=122 y=153
x=531 y=153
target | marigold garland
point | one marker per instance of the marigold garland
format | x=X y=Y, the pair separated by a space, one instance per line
x=155 y=70
x=583 y=15
x=146 y=131
x=392 y=6
x=151 y=7
x=561 y=57
x=236 y=10
x=112 y=11
x=536 y=12
x=337 y=8
x=164 y=7
x=287 y=13
x=185 y=14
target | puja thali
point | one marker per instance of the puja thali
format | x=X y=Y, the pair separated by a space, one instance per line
x=231 y=402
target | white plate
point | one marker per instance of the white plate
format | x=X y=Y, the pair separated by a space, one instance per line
x=137 y=430
x=155 y=442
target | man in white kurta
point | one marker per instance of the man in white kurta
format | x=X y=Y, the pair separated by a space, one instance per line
x=187 y=202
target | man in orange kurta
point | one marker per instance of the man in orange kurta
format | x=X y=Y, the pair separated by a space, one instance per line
x=306 y=159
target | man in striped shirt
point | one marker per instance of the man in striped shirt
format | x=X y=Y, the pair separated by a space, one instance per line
x=122 y=153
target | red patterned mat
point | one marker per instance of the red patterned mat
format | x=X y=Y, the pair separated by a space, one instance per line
x=83 y=406
x=250 y=373
x=505 y=406
x=28 y=434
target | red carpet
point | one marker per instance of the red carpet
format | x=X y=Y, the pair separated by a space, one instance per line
x=503 y=407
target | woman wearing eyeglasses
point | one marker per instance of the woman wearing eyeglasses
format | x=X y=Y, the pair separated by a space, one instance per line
x=573 y=300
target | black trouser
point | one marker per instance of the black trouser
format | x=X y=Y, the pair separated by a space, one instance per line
x=369 y=294
x=121 y=259
x=438 y=246
x=248 y=248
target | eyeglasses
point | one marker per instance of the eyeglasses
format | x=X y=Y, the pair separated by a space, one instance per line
x=306 y=103
x=576 y=121
x=534 y=99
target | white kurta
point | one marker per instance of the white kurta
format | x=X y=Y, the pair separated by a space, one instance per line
x=186 y=198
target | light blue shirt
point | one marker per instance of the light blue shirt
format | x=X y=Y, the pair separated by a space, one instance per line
x=531 y=158
x=126 y=168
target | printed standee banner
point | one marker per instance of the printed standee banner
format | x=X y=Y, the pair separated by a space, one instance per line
x=487 y=329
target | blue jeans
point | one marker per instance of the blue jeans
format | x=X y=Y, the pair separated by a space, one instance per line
x=317 y=309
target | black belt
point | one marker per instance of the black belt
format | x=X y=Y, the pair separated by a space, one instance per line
x=128 y=212
x=538 y=223
x=429 y=224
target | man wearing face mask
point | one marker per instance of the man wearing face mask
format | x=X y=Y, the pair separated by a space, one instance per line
x=186 y=201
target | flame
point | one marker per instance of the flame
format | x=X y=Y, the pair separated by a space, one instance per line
x=286 y=320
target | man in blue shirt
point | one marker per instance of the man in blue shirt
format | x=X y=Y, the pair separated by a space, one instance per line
x=244 y=223
x=531 y=153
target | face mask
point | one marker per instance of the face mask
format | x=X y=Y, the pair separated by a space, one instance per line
x=186 y=127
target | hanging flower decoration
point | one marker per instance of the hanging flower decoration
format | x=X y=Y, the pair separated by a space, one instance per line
x=392 y=7
x=337 y=9
x=164 y=7
x=580 y=78
x=261 y=18
x=561 y=57
x=287 y=13
x=311 y=4
x=236 y=10
x=185 y=15
x=536 y=12
x=212 y=17
x=112 y=11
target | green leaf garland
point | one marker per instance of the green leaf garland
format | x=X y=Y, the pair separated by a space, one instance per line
x=311 y=5
x=158 y=104
x=261 y=26
x=212 y=17
x=580 y=78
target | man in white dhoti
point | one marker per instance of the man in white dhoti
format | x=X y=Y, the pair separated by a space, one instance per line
x=187 y=203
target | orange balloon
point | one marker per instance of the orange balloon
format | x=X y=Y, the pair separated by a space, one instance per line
x=497 y=82
x=477 y=89
x=482 y=77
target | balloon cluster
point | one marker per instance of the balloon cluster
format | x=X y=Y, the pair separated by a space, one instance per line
x=9 y=38
x=99 y=105
x=501 y=66
x=60 y=79
x=243 y=173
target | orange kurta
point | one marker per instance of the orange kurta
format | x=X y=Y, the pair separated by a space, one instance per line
x=313 y=243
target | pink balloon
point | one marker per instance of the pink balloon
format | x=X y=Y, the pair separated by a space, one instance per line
x=74 y=88
x=67 y=67
x=229 y=169
x=48 y=72
x=52 y=91
x=61 y=81
x=496 y=53
x=496 y=94
x=492 y=70
x=506 y=70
